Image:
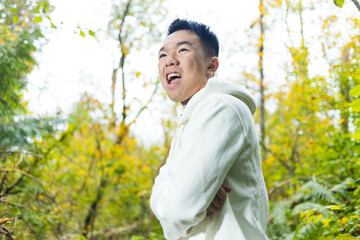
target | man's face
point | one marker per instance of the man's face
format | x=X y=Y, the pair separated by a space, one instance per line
x=182 y=66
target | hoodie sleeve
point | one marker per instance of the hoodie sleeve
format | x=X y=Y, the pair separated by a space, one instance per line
x=186 y=185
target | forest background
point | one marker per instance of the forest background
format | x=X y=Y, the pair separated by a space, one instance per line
x=86 y=171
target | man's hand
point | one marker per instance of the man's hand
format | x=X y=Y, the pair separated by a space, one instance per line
x=219 y=199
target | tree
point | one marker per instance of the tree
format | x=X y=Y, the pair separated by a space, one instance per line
x=20 y=35
x=261 y=71
x=312 y=169
x=20 y=32
x=122 y=29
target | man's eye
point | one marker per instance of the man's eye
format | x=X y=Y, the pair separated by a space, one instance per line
x=183 y=50
x=162 y=55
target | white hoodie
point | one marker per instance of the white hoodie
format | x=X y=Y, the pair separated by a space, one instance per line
x=215 y=143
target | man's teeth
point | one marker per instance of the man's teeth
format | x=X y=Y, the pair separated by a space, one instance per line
x=172 y=76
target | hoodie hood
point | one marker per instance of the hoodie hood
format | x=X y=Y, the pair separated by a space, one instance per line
x=218 y=86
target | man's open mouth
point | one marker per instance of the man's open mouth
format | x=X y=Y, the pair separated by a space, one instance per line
x=173 y=76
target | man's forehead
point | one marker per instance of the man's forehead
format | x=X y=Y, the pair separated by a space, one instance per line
x=180 y=37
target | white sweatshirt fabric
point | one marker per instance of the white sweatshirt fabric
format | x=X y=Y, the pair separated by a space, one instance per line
x=215 y=142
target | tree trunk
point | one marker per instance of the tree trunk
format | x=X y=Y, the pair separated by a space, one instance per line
x=90 y=218
x=261 y=71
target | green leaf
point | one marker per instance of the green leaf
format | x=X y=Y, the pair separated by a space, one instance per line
x=91 y=33
x=37 y=19
x=52 y=24
x=80 y=238
x=355 y=105
x=355 y=91
x=339 y=3
x=346 y=236
x=82 y=33
x=15 y=19
x=13 y=10
x=45 y=6
x=356 y=135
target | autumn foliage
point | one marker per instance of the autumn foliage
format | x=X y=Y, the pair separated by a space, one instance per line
x=84 y=175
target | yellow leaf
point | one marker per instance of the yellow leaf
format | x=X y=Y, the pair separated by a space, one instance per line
x=146 y=169
x=309 y=220
x=325 y=222
x=4 y=220
x=81 y=172
x=137 y=74
x=308 y=213
x=317 y=218
x=344 y=220
x=337 y=207
x=124 y=49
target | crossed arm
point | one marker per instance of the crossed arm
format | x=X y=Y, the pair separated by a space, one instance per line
x=185 y=184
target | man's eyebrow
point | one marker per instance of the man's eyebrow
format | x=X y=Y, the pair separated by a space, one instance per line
x=179 y=44
x=185 y=42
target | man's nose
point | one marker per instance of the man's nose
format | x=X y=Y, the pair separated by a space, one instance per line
x=171 y=61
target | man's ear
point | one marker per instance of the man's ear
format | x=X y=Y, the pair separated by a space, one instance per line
x=213 y=65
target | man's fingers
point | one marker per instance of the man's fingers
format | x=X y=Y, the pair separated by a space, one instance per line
x=221 y=193
x=219 y=199
x=226 y=188
x=217 y=202
x=211 y=209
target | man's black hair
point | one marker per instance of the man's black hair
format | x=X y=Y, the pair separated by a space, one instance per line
x=207 y=37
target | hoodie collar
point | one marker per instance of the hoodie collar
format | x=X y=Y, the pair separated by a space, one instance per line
x=214 y=86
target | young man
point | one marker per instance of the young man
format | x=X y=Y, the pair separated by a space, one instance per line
x=215 y=146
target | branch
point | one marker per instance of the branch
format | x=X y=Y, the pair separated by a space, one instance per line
x=109 y=232
x=23 y=173
x=283 y=162
x=8 y=189
x=287 y=25
x=126 y=12
x=22 y=152
x=272 y=190
x=20 y=160
x=3 y=182
x=7 y=233
x=301 y=25
x=147 y=103
x=356 y=4
x=11 y=203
